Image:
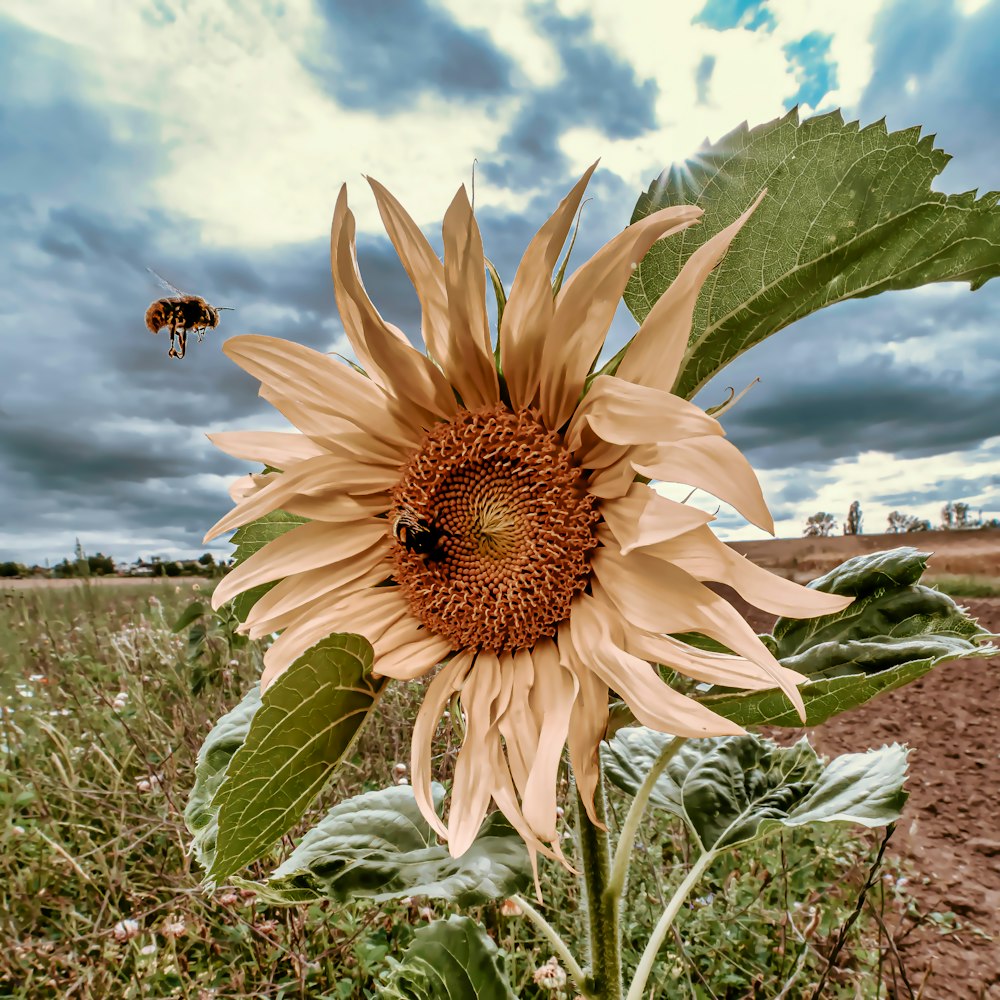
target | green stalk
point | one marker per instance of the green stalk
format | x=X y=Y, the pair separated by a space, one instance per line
x=645 y=967
x=626 y=840
x=558 y=945
x=605 y=979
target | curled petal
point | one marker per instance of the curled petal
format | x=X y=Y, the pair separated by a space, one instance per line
x=659 y=597
x=598 y=629
x=587 y=724
x=274 y=448
x=529 y=310
x=306 y=547
x=472 y=368
x=712 y=464
x=622 y=413
x=654 y=356
x=702 y=555
x=587 y=303
x=444 y=684
x=519 y=726
x=642 y=518
x=383 y=350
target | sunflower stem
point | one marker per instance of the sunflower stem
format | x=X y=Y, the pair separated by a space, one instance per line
x=637 y=989
x=626 y=840
x=605 y=980
x=552 y=936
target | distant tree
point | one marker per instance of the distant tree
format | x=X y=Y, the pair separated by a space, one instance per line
x=820 y=524
x=852 y=526
x=172 y=568
x=992 y=522
x=101 y=565
x=957 y=516
x=207 y=559
x=8 y=569
x=900 y=523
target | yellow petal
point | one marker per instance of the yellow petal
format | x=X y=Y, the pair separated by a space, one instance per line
x=712 y=668
x=654 y=356
x=274 y=448
x=554 y=693
x=335 y=508
x=642 y=517
x=702 y=555
x=444 y=684
x=471 y=366
x=471 y=789
x=424 y=269
x=518 y=725
x=528 y=313
x=328 y=386
x=305 y=547
x=404 y=371
x=587 y=303
x=654 y=703
x=659 y=597
x=407 y=650
x=712 y=464
x=325 y=475
x=587 y=724
x=368 y=612
x=614 y=480
x=299 y=589
x=622 y=413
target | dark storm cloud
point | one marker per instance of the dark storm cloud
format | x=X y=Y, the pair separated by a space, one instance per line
x=952 y=65
x=384 y=57
x=596 y=87
x=831 y=387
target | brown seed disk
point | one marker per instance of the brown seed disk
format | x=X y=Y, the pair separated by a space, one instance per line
x=515 y=526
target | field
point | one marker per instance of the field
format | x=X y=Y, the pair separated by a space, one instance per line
x=99 y=730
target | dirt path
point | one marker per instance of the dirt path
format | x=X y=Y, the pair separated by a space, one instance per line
x=949 y=830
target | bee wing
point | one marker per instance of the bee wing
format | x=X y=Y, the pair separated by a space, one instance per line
x=160 y=280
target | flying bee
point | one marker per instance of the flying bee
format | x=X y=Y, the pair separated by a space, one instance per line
x=416 y=535
x=182 y=314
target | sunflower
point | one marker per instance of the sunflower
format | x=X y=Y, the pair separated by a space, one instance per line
x=489 y=511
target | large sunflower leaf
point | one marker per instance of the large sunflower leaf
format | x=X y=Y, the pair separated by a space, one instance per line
x=895 y=632
x=734 y=789
x=849 y=213
x=250 y=539
x=214 y=758
x=379 y=846
x=307 y=722
x=451 y=959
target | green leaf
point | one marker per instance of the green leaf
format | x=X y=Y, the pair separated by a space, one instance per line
x=895 y=632
x=189 y=615
x=250 y=539
x=214 y=758
x=308 y=720
x=378 y=845
x=735 y=789
x=451 y=959
x=849 y=213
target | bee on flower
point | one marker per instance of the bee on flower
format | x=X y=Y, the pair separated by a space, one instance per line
x=535 y=564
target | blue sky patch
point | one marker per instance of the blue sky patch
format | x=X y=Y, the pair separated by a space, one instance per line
x=722 y=15
x=815 y=72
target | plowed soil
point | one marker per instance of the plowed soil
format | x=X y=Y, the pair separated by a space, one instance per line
x=950 y=832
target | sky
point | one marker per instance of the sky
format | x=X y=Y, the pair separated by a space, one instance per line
x=208 y=140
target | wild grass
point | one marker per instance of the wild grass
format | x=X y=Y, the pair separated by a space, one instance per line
x=965 y=586
x=98 y=735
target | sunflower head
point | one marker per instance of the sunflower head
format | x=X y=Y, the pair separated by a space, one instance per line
x=503 y=529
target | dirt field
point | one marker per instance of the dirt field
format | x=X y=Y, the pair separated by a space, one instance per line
x=949 y=830
x=102 y=581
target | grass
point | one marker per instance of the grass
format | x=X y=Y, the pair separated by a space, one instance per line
x=98 y=734
x=965 y=586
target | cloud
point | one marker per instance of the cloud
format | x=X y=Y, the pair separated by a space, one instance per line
x=814 y=71
x=410 y=47
x=724 y=15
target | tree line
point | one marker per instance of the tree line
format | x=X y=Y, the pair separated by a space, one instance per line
x=955 y=516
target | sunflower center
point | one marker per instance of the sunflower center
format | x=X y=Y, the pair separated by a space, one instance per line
x=494 y=526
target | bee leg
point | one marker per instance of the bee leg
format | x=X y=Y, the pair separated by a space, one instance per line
x=183 y=338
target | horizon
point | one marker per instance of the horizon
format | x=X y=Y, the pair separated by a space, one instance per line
x=210 y=179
